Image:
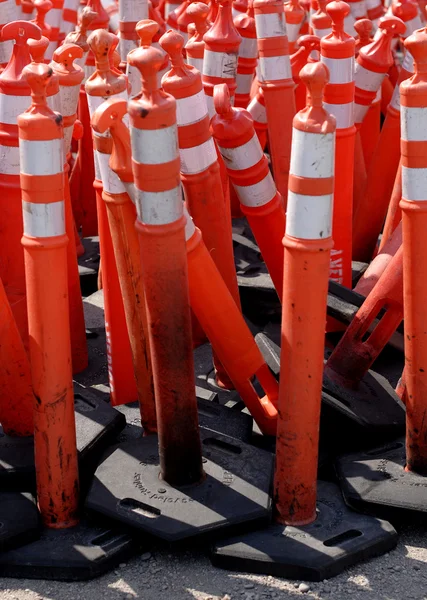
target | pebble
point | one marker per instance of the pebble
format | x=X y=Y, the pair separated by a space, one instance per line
x=226 y=597
x=304 y=588
x=249 y=586
x=146 y=556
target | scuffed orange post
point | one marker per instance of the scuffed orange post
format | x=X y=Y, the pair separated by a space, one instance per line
x=307 y=245
x=275 y=78
x=160 y=225
x=45 y=252
x=413 y=102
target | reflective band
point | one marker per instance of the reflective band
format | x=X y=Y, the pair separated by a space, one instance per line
x=96 y=163
x=51 y=49
x=68 y=27
x=43 y=220
x=242 y=157
x=159 y=208
x=110 y=180
x=9 y=12
x=360 y=111
x=13 y=106
x=257 y=194
x=341 y=70
x=210 y=106
x=408 y=62
x=9 y=160
x=293 y=31
x=321 y=33
x=154 y=146
x=312 y=154
x=248 y=48
x=412 y=25
x=270 y=25
x=88 y=69
x=309 y=217
x=358 y=9
x=343 y=113
x=197 y=159
x=273 y=68
x=235 y=12
x=244 y=83
x=195 y=62
x=54 y=102
x=68 y=136
x=69 y=98
x=367 y=80
x=53 y=17
x=191 y=109
x=219 y=64
x=71 y=5
x=132 y=11
x=170 y=7
x=95 y=102
x=131 y=190
x=349 y=22
x=371 y=4
x=41 y=157
x=257 y=111
x=378 y=96
x=126 y=46
x=114 y=21
x=134 y=78
x=413 y=122
x=414 y=184
x=395 y=99
x=5 y=51
x=190 y=228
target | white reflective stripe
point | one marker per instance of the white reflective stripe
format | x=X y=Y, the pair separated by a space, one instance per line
x=293 y=31
x=321 y=33
x=191 y=109
x=341 y=70
x=197 y=159
x=5 y=51
x=96 y=163
x=257 y=111
x=367 y=80
x=248 y=48
x=190 y=228
x=395 y=99
x=9 y=11
x=195 y=62
x=414 y=184
x=235 y=12
x=69 y=98
x=88 y=69
x=82 y=63
x=257 y=194
x=51 y=49
x=244 y=83
x=68 y=136
x=210 y=106
x=67 y=27
x=54 y=102
x=219 y=64
x=378 y=96
x=9 y=160
x=114 y=22
x=110 y=181
x=170 y=7
x=309 y=217
x=11 y=107
x=71 y=4
x=315 y=55
x=349 y=22
x=312 y=154
x=154 y=146
x=358 y=9
x=131 y=190
x=274 y=68
x=413 y=122
x=412 y=25
x=343 y=113
x=41 y=157
x=95 y=102
x=159 y=208
x=125 y=46
x=53 y=17
x=270 y=25
x=134 y=78
x=132 y=11
x=371 y=4
x=408 y=62
x=43 y=220
x=242 y=157
x=360 y=111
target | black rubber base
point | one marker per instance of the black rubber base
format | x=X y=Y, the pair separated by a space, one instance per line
x=97 y=424
x=75 y=554
x=337 y=539
x=211 y=416
x=236 y=489
x=19 y=520
x=376 y=482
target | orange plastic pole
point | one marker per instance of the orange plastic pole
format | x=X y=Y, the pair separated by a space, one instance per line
x=307 y=243
x=130 y=12
x=195 y=47
x=54 y=19
x=394 y=214
x=248 y=55
x=69 y=18
x=45 y=249
x=9 y=11
x=256 y=109
x=307 y=45
x=294 y=16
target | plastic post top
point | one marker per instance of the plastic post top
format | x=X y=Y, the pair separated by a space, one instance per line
x=38 y=77
x=146 y=30
x=314 y=117
x=404 y=9
x=102 y=19
x=222 y=101
x=20 y=31
x=173 y=43
x=363 y=28
x=198 y=11
x=102 y=43
x=223 y=36
x=416 y=44
x=148 y=60
x=306 y=43
x=38 y=48
x=66 y=55
x=338 y=11
x=379 y=51
x=79 y=36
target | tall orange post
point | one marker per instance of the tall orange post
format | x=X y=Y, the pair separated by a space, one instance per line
x=248 y=55
x=294 y=15
x=130 y=12
x=69 y=17
x=307 y=45
x=195 y=47
x=54 y=19
x=9 y=11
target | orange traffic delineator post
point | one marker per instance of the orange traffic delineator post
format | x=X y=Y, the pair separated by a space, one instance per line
x=337 y=53
x=294 y=15
x=256 y=108
x=248 y=55
x=374 y=11
x=121 y=218
x=249 y=173
x=9 y=12
x=299 y=499
x=54 y=18
x=42 y=8
x=69 y=17
x=200 y=171
x=175 y=458
x=195 y=47
x=15 y=98
x=321 y=21
x=394 y=212
x=275 y=78
x=16 y=391
x=130 y=12
x=372 y=64
x=307 y=45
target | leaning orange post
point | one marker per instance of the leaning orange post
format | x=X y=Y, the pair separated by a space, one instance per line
x=45 y=252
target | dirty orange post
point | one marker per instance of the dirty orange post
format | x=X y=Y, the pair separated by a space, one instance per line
x=248 y=55
x=275 y=78
x=160 y=225
x=413 y=102
x=307 y=245
x=121 y=217
x=307 y=45
x=41 y=145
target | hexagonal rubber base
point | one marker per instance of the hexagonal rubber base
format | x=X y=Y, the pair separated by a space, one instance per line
x=337 y=539
x=376 y=482
x=97 y=424
x=236 y=488
x=75 y=554
x=19 y=520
